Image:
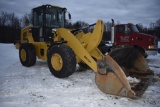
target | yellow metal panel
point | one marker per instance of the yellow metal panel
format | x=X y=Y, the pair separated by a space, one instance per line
x=41 y=45
x=26 y=36
x=77 y=47
x=79 y=35
x=96 y=36
x=90 y=41
x=17 y=45
x=78 y=59
x=85 y=39
x=96 y=53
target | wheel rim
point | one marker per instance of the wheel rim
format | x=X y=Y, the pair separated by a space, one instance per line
x=56 y=62
x=23 y=55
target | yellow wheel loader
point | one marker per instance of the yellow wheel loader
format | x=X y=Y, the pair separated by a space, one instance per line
x=48 y=39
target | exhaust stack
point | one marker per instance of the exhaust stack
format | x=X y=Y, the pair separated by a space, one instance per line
x=112 y=32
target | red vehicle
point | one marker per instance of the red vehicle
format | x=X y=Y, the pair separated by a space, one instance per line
x=128 y=34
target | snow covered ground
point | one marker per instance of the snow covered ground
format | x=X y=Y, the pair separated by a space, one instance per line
x=36 y=87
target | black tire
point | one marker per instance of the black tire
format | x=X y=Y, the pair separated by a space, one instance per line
x=30 y=55
x=68 y=58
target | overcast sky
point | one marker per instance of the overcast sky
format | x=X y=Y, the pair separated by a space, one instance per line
x=124 y=11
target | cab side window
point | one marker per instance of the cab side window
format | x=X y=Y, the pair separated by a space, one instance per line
x=121 y=29
x=38 y=15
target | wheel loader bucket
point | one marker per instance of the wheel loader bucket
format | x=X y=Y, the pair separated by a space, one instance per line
x=111 y=79
x=127 y=61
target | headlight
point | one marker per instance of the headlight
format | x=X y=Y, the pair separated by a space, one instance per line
x=151 y=47
x=54 y=30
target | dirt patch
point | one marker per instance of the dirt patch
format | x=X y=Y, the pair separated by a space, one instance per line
x=141 y=87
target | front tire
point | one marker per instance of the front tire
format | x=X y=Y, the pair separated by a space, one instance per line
x=61 y=61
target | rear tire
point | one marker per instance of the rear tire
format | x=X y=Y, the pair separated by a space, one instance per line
x=61 y=61
x=27 y=55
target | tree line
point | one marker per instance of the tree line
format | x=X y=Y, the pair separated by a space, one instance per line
x=11 y=25
x=153 y=29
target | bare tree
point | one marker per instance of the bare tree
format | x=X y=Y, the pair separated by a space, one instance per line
x=3 y=18
x=140 y=27
x=13 y=21
x=83 y=24
x=108 y=26
x=152 y=25
x=10 y=20
x=26 y=19
x=158 y=23
x=16 y=23
x=157 y=28
x=118 y=22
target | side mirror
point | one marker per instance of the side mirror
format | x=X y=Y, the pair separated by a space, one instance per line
x=69 y=15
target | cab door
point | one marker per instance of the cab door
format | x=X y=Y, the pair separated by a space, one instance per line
x=123 y=35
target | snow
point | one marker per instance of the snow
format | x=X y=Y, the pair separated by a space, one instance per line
x=36 y=86
x=133 y=79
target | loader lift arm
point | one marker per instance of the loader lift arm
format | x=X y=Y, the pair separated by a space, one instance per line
x=90 y=41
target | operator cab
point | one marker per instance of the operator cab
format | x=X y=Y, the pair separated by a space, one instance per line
x=45 y=18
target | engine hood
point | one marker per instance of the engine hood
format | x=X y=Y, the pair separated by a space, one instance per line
x=143 y=34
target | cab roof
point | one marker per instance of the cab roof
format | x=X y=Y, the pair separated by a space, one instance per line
x=43 y=6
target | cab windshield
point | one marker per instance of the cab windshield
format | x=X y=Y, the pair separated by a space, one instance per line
x=135 y=28
x=49 y=17
x=55 y=17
